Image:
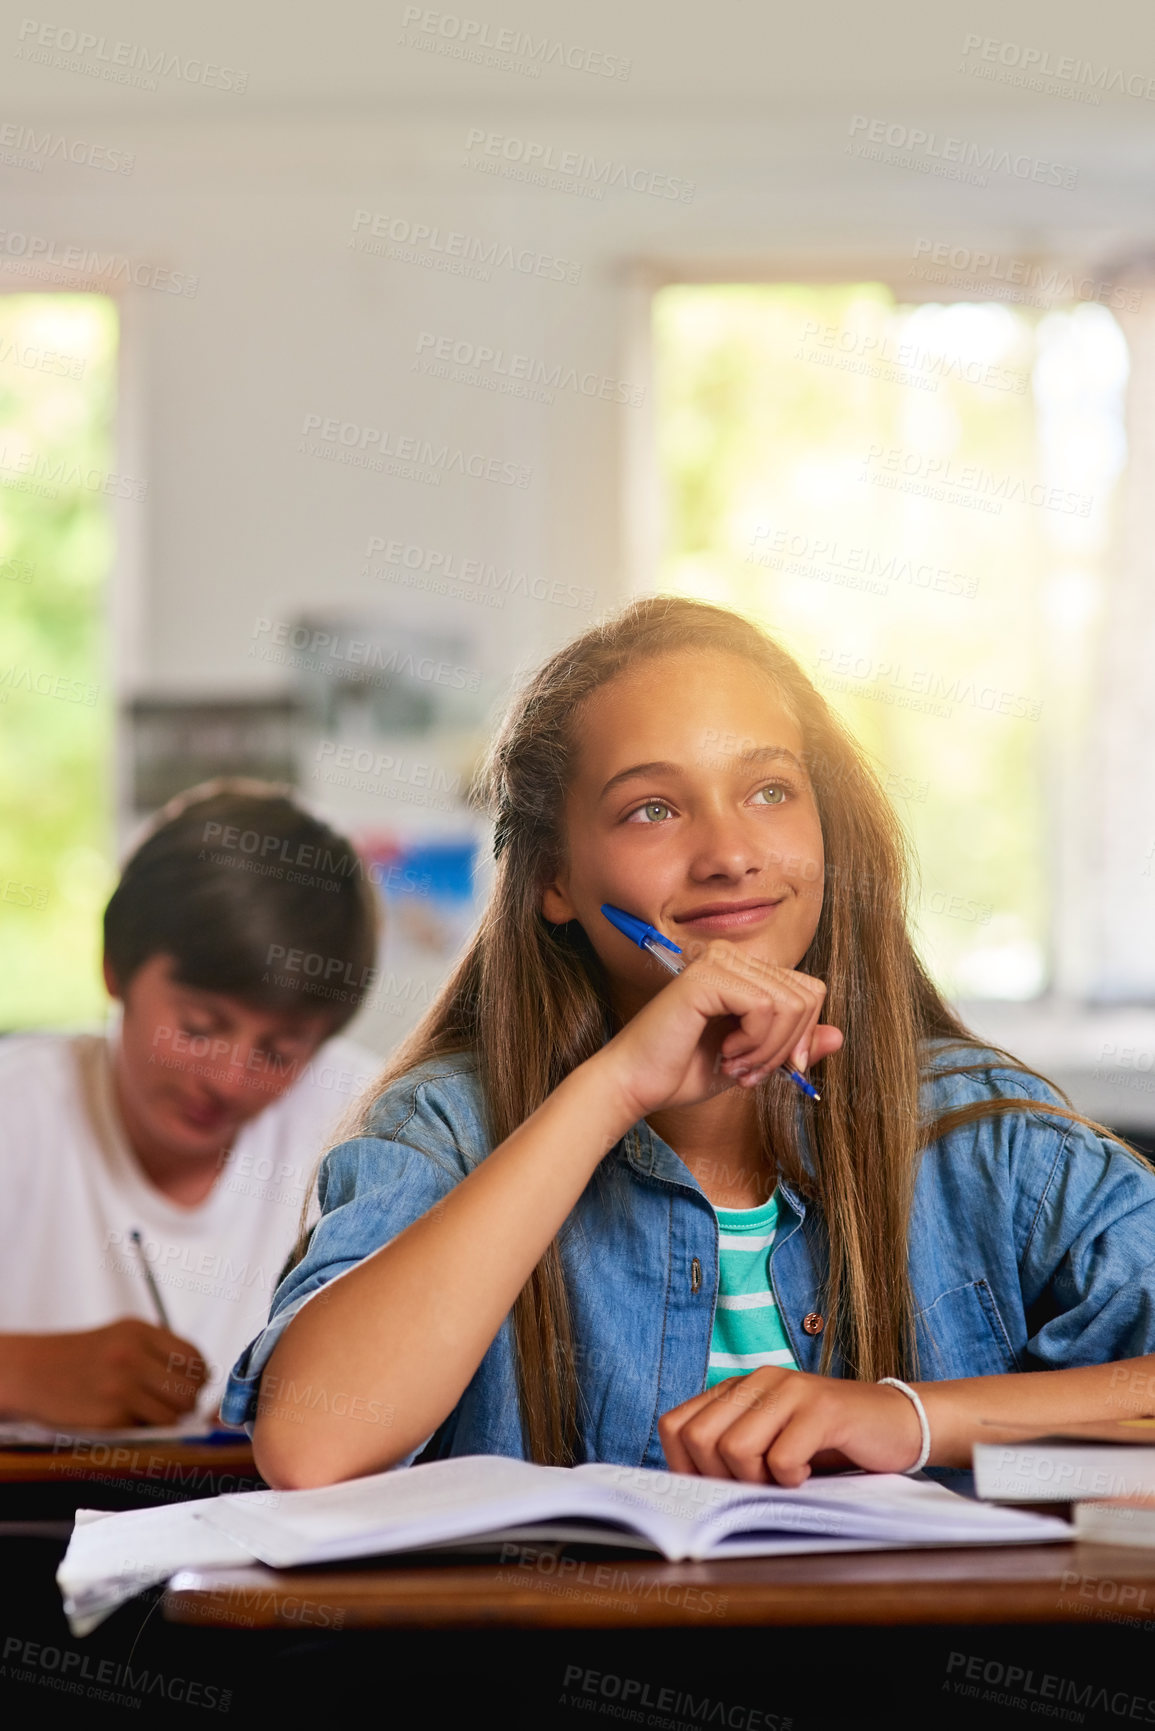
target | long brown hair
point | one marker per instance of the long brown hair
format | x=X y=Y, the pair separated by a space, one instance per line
x=530 y=1002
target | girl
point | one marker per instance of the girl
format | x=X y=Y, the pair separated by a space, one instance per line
x=584 y=1196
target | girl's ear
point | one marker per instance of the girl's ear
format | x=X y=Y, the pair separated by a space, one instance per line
x=556 y=905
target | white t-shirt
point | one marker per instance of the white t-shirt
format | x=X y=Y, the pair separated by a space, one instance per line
x=71 y=1192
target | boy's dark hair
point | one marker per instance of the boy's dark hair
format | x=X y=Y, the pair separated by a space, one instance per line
x=252 y=897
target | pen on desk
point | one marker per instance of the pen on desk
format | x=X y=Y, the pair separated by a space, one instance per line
x=148 y=1275
x=650 y=939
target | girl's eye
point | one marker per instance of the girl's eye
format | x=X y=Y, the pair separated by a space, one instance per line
x=651 y=812
x=774 y=795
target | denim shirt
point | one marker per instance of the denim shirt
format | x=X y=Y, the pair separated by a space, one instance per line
x=1032 y=1247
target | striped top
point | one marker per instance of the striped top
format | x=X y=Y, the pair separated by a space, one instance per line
x=748 y=1330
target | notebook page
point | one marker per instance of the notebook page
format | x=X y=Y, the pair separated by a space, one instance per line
x=741 y=1532
x=405 y=1509
x=875 y=1508
x=675 y=1506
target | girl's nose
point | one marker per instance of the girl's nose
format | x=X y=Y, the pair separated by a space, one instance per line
x=726 y=848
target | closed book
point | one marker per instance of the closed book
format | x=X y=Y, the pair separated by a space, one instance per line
x=1117 y=1521
x=1104 y=1459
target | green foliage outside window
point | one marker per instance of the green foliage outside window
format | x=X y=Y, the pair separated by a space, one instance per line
x=915 y=500
x=57 y=401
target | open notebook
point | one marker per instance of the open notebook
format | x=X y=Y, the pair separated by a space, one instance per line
x=490 y=1497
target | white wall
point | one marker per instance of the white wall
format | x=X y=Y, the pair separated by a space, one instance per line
x=255 y=195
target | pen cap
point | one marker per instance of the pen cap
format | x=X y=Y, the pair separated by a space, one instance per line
x=636 y=930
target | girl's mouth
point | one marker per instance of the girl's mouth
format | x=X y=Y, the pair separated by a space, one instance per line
x=721 y=917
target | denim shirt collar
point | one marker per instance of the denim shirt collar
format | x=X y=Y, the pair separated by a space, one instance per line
x=645 y=1153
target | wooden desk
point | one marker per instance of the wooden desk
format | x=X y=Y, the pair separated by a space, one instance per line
x=537 y=1589
x=147 y=1460
x=52 y=1483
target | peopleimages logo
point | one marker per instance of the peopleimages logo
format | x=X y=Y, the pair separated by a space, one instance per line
x=569 y=169
x=857 y=567
x=451 y=250
x=84 y=1674
x=1020 y=1686
x=39 y=360
x=53 y=476
x=1050 y=285
x=510 y=50
x=360 y=652
x=1039 y=63
x=931 y=152
x=16 y=678
x=330 y=436
x=940 y=475
x=119 y=62
x=499 y=369
x=870 y=677
x=41 y=147
x=877 y=355
x=39 y=256
x=443 y=572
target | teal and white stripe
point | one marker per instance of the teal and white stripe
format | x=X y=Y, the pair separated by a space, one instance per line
x=748 y=1330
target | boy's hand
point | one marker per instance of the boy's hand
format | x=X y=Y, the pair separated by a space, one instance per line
x=775 y=1426
x=129 y=1372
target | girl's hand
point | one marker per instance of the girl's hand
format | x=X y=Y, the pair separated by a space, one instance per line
x=775 y=1426
x=727 y=1018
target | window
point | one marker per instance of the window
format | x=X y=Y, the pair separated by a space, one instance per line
x=917 y=500
x=57 y=385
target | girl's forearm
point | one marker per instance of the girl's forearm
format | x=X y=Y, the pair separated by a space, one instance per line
x=997 y=1408
x=395 y=1341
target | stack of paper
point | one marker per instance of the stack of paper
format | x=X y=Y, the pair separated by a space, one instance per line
x=23 y=1433
x=113 y=1557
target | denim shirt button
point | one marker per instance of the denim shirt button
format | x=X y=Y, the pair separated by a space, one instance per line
x=695 y=1274
x=813 y=1323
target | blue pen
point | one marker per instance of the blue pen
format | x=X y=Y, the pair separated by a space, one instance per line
x=649 y=938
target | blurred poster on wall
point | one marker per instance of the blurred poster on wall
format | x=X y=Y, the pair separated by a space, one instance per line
x=174 y=743
x=391 y=735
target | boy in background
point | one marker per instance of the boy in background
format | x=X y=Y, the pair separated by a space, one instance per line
x=240 y=940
